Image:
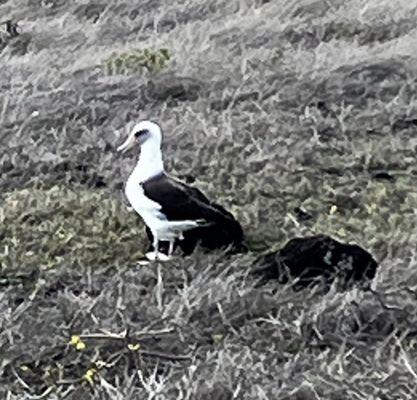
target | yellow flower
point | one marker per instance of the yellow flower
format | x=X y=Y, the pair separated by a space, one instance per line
x=75 y=339
x=89 y=375
x=80 y=346
x=217 y=338
x=77 y=342
x=133 y=347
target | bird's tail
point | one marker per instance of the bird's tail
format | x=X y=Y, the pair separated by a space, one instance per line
x=202 y=223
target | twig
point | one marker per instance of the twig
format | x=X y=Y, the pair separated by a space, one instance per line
x=405 y=360
x=112 y=361
x=166 y=356
x=108 y=335
x=41 y=396
x=155 y=332
x=293 y=219
x=4 y=108
x=123 y=336
x=20 y=380
x=24 y=306
x=68 y=381
x=67 y=392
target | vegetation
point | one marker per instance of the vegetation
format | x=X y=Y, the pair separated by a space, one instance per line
x=276 y=105
x=134 y=61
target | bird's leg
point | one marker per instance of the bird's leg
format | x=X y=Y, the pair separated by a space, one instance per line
x=155 y=247
x=171 y=248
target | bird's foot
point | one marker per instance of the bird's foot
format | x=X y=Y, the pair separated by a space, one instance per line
x=152 y=256
x=143 y=261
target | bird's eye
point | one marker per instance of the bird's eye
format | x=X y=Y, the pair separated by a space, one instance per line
x=141 y=133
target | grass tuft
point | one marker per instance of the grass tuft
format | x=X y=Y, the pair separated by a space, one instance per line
x=136 y=61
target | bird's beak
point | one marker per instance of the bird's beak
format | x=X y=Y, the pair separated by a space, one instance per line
x=130 y=141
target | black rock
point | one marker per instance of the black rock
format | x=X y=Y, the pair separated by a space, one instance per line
x=383 y=176
x=318 y=260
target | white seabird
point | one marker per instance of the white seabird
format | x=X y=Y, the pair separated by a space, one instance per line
x=173 y=211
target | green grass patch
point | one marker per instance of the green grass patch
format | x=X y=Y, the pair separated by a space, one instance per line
x=62 y=226
x=137 y=60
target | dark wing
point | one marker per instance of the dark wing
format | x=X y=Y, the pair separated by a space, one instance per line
x=179 y=201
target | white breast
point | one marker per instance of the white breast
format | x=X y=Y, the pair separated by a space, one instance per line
x=149 y=210
x=144 y=206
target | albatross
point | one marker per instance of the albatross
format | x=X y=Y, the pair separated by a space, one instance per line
x=173 y=212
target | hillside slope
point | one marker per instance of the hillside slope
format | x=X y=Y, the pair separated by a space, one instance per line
x=266 y=106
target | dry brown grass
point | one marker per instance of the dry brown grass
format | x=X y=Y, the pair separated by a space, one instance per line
x=286 y=104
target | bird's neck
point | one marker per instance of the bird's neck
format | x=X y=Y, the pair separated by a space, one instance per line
x=150 y=162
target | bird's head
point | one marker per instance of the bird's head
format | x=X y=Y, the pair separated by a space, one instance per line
x=143 y=132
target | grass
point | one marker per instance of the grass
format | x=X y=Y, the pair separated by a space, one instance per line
x=131 y=62
x=277 y=105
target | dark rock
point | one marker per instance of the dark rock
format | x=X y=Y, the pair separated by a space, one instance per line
x=383 y=176
x=318 y=259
